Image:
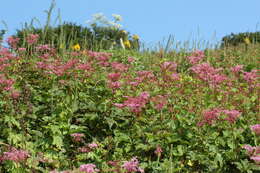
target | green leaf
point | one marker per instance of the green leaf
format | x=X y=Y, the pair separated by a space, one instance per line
x=57 y=140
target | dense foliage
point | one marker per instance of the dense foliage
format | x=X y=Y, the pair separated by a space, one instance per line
x=2 y=32
x=67 y=35
x=240 y=38
x=125 y=111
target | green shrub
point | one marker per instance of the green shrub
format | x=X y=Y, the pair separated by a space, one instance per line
x=66 y=35
x=2 y=32
x=240 y=38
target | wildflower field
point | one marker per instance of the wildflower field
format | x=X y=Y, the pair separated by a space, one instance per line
x=128 y=111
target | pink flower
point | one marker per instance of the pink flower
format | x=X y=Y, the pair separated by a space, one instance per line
x=256 y=129
x=114 y=85
x=160 y=101
x=145 y=74
x=88 y=168
x=7 y=84
x=113 y=163
x=15 y=155
x=158 y=151
x=249 y=149
x=135 y=103
x=251 y=77
x=237 y=68
x=132 y=166
x=209 y=74
x=114 y=76
x=175 y=76
x=77 y=137
x=32 y=38
x=93 y=145
x=196 y=57
x=213 y=115
x=134 y=83
x=44 y=47
x=232 y=115
x=120 y=67
x=21 y=49
x=86 y=67
x=15 y=94
x=119 y=105
x=169 y=66
x=209 y=116
x=84 y=149
x=256 y=158
x=12 y=41
x=130 y=59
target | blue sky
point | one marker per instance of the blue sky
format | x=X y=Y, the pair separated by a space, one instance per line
x=152 y=20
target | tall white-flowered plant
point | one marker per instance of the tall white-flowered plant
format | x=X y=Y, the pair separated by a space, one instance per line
x=101 y=19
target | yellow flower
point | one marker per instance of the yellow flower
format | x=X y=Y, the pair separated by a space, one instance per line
x=62 y=46
x=124 y=31
x=247 y=40
x=190 y=163
x=135 y=37
x=127 y=43
x=76 y=47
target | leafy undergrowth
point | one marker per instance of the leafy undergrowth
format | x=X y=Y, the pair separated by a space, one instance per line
x=126 y=111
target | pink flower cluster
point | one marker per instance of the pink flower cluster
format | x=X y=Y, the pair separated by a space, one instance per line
x=77 y=137
x=93 y=145
x=142 y=76
x=88 y=168
x=44 y=47
x=5 y=58
x=209 y=74
x=232 y=115
x=160 y=101
x=12 y=42
x=113 y=80
x=253 y=152
x=101 y=57
x=251 y=77
x=158 y=151
x=15 y=155
x=113 y=76
x=168 y=66
x=132 y=166
x=88 y=148
x=57 y=67
x=135 y=104
x=256 y=129
x=236 y=69
x=6 y=84
x=130 y=59
x=210 y=116
x=119 y=67
x=32 y=38
x=196 y=57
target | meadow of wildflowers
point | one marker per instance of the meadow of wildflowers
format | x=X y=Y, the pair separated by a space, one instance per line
x=126 y=111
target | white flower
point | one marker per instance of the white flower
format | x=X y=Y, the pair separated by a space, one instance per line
x=117 y=17
x=100 y=18
x=115 y=25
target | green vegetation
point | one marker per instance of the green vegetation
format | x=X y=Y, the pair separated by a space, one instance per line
x=76 y=108
x=244 y=38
